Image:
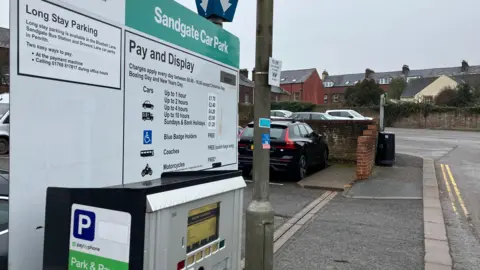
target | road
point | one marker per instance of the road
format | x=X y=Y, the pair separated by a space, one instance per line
x=457 y=157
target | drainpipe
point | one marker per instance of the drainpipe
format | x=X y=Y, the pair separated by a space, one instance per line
x=301 y=95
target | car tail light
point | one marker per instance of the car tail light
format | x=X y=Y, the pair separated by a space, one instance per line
x=289 y=144
x=242 y=145
x=181 y=265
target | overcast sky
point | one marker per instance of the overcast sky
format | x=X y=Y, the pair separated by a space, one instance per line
x=347 y=36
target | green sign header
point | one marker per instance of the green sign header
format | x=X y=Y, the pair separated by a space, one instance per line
x=174 y=23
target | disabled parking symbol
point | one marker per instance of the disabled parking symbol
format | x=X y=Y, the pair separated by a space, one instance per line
x=147 y=137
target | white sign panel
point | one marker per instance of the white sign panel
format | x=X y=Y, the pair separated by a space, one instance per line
x=178 y=113
x=99 y=238
x=59 y=44
x=274 y=72
x=111 y=92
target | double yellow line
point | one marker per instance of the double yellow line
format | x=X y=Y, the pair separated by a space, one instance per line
x=450 y=180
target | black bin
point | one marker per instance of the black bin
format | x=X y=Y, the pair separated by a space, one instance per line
x=385 y=149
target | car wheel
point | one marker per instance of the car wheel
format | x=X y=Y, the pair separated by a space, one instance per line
x=4 y=146
x=302 y=166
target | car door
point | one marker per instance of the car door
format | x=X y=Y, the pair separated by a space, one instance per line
x=318 y=143
x=309 y=144
x=347 y=115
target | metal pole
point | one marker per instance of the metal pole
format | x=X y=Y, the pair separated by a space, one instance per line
x=382 y=112
x=259 y=216
x=216 y=20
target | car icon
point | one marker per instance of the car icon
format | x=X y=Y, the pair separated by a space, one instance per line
x=147 y=116
x=147 y=170
x=147 y=105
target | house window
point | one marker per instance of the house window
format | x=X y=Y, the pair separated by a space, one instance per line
x=335 y=98
x=385 y=81
x=428 y=99
x=328 y=84
x=325 y=98
x=296 y=96
x=412 y=78
x=247 y=98
x=276 y=98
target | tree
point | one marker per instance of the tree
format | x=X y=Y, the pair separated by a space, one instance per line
x=447 y=97
x=464 y=95
x=396 y=88
x=364 y=93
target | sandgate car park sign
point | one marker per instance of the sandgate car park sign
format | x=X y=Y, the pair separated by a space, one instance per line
x=131 y=89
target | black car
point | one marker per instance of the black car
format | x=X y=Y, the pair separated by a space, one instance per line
x=294 y=148
x=3 y=220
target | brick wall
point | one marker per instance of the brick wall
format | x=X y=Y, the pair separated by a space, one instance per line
x=366 y=148
x=441 y=120
x=341 y=137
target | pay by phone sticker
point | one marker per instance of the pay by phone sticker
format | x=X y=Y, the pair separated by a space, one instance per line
x=99 y=238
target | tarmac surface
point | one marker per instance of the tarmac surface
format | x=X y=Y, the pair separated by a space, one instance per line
x=287 y=200
x=358 y=234
x=403 y=181
x=457 y=156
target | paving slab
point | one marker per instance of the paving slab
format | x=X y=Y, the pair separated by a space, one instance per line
x=404 y=180
x=335 y=177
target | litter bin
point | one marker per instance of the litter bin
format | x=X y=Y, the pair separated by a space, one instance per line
x=385 y=149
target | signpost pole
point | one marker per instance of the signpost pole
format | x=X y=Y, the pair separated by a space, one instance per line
x=260 y=215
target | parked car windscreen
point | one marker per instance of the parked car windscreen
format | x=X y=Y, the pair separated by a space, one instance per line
x=356 y=114
x=276 y=131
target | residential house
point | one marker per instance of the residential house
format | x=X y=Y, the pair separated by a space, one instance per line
x=425 y=90
x=247 y=88
x=4 y=64
x=336 y=85
x=304 y=85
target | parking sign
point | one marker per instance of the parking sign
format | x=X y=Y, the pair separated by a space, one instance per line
x=84 y=225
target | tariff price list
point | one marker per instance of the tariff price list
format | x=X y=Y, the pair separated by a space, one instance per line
x=212 y=111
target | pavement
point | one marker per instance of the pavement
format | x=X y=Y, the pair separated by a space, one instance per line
x=366 y=233
x=456 y=155
x=335 y=177
x=287 y=199
x=401 y=181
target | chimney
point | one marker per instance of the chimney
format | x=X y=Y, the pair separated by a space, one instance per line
x=368 y=73
x=244 y=72
x=464 y=66
x=324 y=75
x=253 y=74
x=405 y=70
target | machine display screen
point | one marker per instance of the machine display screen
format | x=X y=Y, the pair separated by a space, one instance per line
x=202 y=226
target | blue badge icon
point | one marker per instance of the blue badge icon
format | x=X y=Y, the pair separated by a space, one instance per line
x=84 y=225
x=147 y=137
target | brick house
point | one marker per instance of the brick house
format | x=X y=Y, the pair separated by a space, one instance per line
x=304 y=85
x=4 y=64
x=246 y=90
x=336 y=85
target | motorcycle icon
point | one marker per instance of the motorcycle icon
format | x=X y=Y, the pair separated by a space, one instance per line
x=146 y=171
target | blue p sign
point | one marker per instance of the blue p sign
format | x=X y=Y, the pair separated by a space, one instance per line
x=84 y=225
